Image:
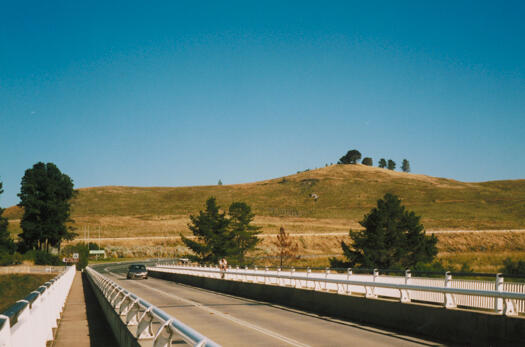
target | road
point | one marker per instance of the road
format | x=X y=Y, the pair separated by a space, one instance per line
x=234 y=321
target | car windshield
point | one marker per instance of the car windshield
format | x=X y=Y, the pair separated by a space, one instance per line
x=137 y=267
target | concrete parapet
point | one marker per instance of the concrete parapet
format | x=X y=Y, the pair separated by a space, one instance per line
x=454 y=325
x=121 y=332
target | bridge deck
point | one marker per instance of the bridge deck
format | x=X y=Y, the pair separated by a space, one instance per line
x=83 y=323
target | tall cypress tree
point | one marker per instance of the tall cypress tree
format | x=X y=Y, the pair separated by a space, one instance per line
x=393 y=238
x=45 y=195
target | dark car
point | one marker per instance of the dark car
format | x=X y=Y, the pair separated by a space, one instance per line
x=137 y=271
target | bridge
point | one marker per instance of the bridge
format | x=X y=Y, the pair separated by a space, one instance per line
x=204 y=306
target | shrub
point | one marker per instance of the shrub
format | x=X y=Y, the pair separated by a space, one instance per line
x=513 y=267
x=42 y=258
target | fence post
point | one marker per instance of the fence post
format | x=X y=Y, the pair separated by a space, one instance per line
x=405 y=295
x=348 y=275
x=371 y=291
x=308 y=270
x=265 y=274
x=449 y=298
x=498 y=302
x=292 y=272
x=327 y=271
x=279 y=276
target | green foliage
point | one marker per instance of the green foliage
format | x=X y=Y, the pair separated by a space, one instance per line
x=40 y=257
x=244 y=234
x=513 y=267
x=405 y=166
x=393 y=238
x=351 y=157
x=6 y=242
x=10 y=259
x=219 y=183
x=391 y=165
x=218 y=236
x=44 y=195
x=382 y=163
x=16 y=287
x=367 y=161
x=83 y=253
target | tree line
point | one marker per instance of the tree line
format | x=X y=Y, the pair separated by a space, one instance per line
x=353 y=156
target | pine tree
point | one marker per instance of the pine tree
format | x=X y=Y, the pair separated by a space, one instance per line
x=393 y=238
x=351 y=157
x=287 y=248
x=210 y=228
x=243 y=232
x=45 y=195
x=405 y=166
x=391 y=165
x=367 y=161
x=219 y=236
x=382 y=163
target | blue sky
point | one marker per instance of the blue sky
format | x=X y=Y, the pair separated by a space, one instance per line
x=180 y=93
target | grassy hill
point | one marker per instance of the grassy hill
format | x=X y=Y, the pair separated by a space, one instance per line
x=346 y=193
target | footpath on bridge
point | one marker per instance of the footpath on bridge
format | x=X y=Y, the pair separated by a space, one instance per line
x=83 y=323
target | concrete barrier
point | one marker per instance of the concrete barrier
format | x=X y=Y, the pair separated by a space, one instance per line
x=121 y=332
x=454 y=325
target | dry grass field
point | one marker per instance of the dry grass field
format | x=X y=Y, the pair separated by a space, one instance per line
x=346 y=193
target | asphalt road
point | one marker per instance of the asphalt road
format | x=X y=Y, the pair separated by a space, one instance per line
x=234 y=321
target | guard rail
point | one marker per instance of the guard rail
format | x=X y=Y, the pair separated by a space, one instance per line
x=406 y=288
x=30 y=321
x=139 y=315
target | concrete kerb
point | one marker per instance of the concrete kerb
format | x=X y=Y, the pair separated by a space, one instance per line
x=454 y=325
x=121 y=332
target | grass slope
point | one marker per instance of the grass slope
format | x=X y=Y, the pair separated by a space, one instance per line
x=345 y=191
x=16 y=287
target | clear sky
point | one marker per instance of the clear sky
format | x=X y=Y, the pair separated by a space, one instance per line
x=173 y=93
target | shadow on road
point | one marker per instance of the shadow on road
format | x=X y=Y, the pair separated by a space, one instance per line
x=99 y=330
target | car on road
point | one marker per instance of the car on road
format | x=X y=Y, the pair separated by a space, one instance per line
x=137 y=271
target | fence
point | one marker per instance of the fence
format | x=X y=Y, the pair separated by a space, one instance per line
x=140 y=316
x=30 y=269
x=506 y=298
x=30 y=322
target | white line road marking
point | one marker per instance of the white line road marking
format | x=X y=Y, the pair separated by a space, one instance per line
x=225 y=316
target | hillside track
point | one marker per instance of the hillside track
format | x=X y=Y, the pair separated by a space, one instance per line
x=337 y=233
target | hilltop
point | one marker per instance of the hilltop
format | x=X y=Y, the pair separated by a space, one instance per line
x=345 y=193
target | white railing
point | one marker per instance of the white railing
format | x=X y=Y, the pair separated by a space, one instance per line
x=506 y=298
x=140 y=316
x=30 y=322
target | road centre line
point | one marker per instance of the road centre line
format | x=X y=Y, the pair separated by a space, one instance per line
x=224 y=315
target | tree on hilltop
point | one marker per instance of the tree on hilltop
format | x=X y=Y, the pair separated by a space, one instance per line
x=382 y=163
x=393 y=238
x=405 y=166
x=45 y=195
x=391 y=164
x=367 y=161
x=351 y=157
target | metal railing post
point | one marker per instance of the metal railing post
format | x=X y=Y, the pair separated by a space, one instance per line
x=404 y=293
x=498 y=302
x=348 y=275
x=450 y=301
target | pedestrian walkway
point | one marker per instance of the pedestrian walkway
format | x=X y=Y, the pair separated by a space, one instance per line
x=83 y=323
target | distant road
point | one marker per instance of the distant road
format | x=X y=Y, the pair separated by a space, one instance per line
x=336 y=233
